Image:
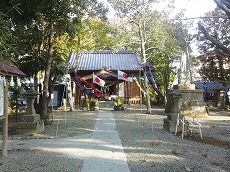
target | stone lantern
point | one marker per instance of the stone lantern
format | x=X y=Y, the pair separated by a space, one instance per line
x=30 y=122
x=30 y=95
x=173 y=109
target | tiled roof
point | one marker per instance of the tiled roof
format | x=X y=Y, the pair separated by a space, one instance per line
x=210 y=85
x=96 y=60
x=7 y=68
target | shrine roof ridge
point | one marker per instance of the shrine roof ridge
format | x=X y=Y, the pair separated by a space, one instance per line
x=120 y=60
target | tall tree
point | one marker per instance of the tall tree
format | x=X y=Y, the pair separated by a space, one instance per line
x=168 y=40
x=159 y=40
x=40 y=25
x=135 y=11
x=224 y=5
x=215 y=61
x=7 y=39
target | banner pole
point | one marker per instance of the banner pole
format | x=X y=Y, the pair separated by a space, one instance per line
x=140 y=92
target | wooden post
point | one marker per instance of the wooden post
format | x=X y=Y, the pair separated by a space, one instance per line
x=130 y=87
x=140 y=91
x=5 y=122
x=74 y=94
x=124 y=94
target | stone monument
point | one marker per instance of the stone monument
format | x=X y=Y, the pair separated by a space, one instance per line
x=183 y=99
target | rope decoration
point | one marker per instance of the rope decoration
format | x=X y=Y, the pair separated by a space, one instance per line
x=135 y=79
x=107 y=86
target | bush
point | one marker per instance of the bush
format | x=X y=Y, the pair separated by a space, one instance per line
x=118 y=104
x=93 y=104
x=16 y=101
x=47 y=120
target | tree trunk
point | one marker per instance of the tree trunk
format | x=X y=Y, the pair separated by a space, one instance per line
x=142 y=38
x=166 y=83
x=45 y=94
x=148 y=103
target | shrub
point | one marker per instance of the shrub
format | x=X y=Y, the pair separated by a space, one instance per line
x=118 y=104
x=93 y=104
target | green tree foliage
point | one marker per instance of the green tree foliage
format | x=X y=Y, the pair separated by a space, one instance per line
x=96 y=35
x=7 y=39
x=92 y=27
x=157 y=38
x=168 y=42
x=215 y=62
x=40 y=27
x=136 y=12
x=37 y=24
x=224 y=6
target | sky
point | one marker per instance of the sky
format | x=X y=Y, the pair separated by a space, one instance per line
x=193 y=8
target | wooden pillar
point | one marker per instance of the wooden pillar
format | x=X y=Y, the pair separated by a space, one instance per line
x=74 y=93
x=5 y=122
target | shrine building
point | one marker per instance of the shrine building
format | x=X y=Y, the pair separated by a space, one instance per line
x=105 y=65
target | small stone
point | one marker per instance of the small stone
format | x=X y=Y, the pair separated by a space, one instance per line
x=187 y=169
x=204 y=155
x=174 y=152
x=155 y=143
x=216 y=163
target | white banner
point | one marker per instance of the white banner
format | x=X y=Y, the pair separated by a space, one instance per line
x=123 y=76
x=121 y=90
x=98 y=81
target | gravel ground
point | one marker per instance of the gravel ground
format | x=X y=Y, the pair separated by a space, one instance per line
x=150 y=148
x=71 y=124
x=147 y=145
x=65 y=124
x=39 y=161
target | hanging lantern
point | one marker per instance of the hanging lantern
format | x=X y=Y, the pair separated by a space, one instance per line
x=19 y=82
x=32 y=80
x=4 y=80
x=12 y=81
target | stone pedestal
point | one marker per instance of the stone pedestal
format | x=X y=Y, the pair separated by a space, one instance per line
x=172 y=109
x=30 y=122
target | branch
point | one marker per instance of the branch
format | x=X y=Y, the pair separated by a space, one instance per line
x=221 y=4
x=226 y=3
x=151 y=48
x=205 y=17
x=213 y=40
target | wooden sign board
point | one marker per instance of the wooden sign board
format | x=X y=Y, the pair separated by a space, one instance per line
x=1 y=98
